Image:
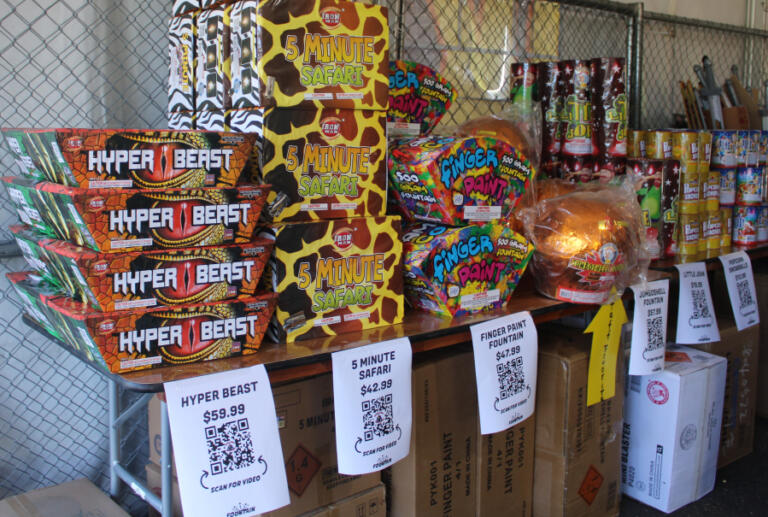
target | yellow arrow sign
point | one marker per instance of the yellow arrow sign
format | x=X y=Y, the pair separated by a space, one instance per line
x=606 y=334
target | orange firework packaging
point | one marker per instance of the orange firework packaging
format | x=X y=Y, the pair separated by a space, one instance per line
x=127 y=158
x=117 y=281
x=114 y=220
x=330 y=53
x=335 y=276
x=324 y=163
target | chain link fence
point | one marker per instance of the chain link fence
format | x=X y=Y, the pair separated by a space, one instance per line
x=103 y=63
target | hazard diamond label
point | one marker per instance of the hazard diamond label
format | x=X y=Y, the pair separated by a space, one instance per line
x=591 y=485
x=300 y=468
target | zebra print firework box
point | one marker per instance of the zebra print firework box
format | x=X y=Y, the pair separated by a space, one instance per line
x=212 y=61
x=118 y=281
x=456 y=271
x=324 y=163
x=335 y=276
x=322 y=53
x=118 y=220
x=181 y=7
x=181 y=49
x=131 y=158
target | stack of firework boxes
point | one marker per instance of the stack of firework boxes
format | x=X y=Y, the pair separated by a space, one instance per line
x=310 y=79
x=740 y=157
x=141 y=243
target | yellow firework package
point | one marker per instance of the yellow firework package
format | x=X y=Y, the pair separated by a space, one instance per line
x=321 y=53
x=324 y=163
x=335 y=276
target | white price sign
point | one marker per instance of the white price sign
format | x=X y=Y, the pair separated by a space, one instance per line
x=506 y=355
x=226 y=443
x=372 y=403
x=649 y=328
x=696 y=322
x=741 y=289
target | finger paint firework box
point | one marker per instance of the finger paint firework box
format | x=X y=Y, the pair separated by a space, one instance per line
x=110 y=220
x=456 y=271
x=418 y=98
x=451 y=180
x=212 y=60
x=181 y=49
x=322 y=53
x=324 y=163
x=118 y=281
x=335 y=276
x=159 y=159
x=161 y=336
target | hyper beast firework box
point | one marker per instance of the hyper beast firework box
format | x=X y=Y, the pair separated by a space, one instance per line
x=117 y=281
x=418 y=98
x=318 y=53
x=110 y=220
x=126 y=158
x=168 y=336
x=324 y=163
x=455 y=271
x=335 y=276
x=452 y=180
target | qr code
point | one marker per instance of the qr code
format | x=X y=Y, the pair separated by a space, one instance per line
x=745 y=294
x=511 y=377
x=700 y=305
x=655 y=334
x=229 y=446
x=377 y=417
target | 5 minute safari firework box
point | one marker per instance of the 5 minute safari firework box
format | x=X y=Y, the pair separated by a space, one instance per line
x=335 y=276
x=151 y=159
x=324 y=163
x=117 y=281
x=316 y=53
x=455 y=271
x=168 y=336
x=453 y=181
x=117 y=220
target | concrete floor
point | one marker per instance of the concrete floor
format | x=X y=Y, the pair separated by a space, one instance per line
x=741 y=488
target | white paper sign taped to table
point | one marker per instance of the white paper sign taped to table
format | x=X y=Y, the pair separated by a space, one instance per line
x=226 y=444
x=372 y=404
x=696 y=321
x=649 y=328
x=506 y=355
x=741 y=289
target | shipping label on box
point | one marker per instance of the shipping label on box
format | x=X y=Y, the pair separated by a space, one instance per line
x=330 y=53
x=452 y=180
x=212 y=60
x=324 y=164
x=336 y=276
x=116 y=220
x=181 y=48
x=147 y=338
x=455 y=271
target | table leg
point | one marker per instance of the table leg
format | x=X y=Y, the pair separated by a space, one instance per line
x=165 y=454
x=114 y=437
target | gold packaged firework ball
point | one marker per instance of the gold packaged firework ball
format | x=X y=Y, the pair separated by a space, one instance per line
x=705 y=149
x=685 y=146
x=690 y=192
x=119 y=281
x=712 y=233
x=117 y=220
x=658 y=145
x=132 y=158
x=690 y=232
x=636 y=144
x=726 y=219
x=324 y=163
x=456 y=271
x=322 y=53
x=713 y=191
x=455 y=180
x=335 y=276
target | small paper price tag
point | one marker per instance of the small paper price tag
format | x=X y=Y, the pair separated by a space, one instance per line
x=226 y=444
x=372 y=404
x=506 y=355
x=649 y=328
x=741 y=289
x=696 y=322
